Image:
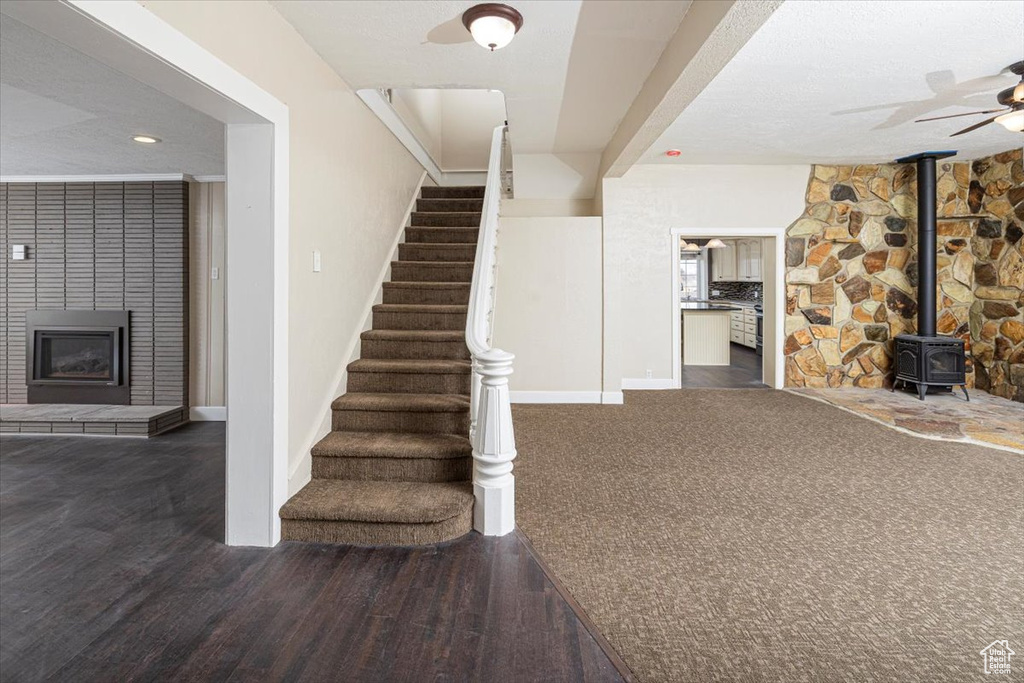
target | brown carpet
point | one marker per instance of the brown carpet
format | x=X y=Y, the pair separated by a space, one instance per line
x=745 y=535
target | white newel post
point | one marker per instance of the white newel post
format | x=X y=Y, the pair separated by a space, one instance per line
x=494 y=447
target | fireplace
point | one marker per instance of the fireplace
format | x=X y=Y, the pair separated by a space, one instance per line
x=927 y=359
x=77 y=357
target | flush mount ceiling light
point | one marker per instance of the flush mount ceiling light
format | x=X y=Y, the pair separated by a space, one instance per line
x=492 y=24
x=715 y=244
x=145 y=139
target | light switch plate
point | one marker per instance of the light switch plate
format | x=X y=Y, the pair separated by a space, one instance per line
x=316 y=260
x=18 y=252
x=215 y=273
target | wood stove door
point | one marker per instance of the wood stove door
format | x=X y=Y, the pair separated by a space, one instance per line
x=944 y=365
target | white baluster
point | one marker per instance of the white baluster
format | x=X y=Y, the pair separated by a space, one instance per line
x=494 y=447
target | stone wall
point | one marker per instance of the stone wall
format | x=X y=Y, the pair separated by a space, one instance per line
x=996 y=317
x=852 y=272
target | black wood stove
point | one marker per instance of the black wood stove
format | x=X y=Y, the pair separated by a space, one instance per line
x=927 y=359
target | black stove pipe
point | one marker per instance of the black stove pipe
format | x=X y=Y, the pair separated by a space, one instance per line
x=926 y=240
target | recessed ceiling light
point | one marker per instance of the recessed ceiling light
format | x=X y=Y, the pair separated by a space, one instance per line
x=673 y=153
x=146 y=139
x=492 y=24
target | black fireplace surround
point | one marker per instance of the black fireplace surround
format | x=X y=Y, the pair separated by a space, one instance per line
x=928 y=359
x=77 y=357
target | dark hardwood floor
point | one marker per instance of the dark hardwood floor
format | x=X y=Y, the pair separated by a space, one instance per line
x=743 y=372
x=112 y=568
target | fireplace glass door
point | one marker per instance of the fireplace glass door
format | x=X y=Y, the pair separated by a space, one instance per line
x=944 y=365
x=78 y=356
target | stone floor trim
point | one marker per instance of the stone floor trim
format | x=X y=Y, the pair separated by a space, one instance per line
x=797 y=391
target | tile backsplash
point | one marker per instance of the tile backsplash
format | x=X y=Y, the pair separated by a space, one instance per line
x=735 y=291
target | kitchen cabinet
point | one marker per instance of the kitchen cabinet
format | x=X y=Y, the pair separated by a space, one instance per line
x=748 y=260
x=723 y=262
x=743 y=326
x=738 y=261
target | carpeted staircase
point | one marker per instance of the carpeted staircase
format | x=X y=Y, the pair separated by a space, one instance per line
x=397 y=467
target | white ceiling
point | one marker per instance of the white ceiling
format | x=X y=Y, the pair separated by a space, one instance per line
x=568 y=77
x=63 y=113
x=842 y=82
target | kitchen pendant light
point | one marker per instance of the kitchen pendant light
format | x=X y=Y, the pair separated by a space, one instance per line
x=715 y=244
x=492 y=24
x=692 y=248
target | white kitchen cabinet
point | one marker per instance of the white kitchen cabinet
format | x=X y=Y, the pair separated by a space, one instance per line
x=743 y=326
x=723 y=262
x=748 y=260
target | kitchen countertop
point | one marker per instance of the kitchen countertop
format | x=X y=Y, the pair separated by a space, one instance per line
x=702 y=306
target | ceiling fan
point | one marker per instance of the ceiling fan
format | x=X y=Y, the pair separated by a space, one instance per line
x=1011 y=116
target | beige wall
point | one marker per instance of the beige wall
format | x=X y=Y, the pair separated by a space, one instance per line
x=640 y=210
x=351 y=184
x=454 y=126
x=206 y=294
x=420 y=110
x=548 y=302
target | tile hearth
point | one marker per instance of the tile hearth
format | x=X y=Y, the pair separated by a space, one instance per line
x=985 y=420
x=106 y=420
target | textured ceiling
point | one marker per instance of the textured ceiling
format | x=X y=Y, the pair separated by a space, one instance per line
x=568 y=77
x=842 y=82
x=62 y=113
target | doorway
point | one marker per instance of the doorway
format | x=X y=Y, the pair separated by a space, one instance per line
x=128 y=39
x=727 y=297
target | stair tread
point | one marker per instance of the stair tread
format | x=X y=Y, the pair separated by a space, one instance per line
x=434 y=264
x=404 y=365
x=392 y=502
x=414 y=335
x=410 y=403
x=413 y=284
x=441 y=245
x=392 y=445
x=420 y=308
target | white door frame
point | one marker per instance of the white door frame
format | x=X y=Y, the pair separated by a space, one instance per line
x=133 y=40
x=779 y=234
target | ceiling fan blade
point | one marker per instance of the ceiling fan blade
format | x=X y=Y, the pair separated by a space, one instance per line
x=974 y=127
x=953 y=116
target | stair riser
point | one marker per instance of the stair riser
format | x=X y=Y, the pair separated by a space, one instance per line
x=432 y=252
x=407 y=295
x=471 y=192
x=392 y=320
x=445 y=220
x=442 y=236
x=408 y=383
x=368 y=533
x=444 y=205
x=394 y=469
x=418 y=350
x=398 y=421
x=411 y=271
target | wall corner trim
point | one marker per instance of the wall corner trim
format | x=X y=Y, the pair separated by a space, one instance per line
x=644 y=383
x=555 y=396
x=208 y=414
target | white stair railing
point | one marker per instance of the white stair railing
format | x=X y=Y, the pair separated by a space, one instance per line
x=494 y=443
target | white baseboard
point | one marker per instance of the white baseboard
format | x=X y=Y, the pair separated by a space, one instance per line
x=208 y=414
x=555 y=396
x=612 y=397
x=648 y=384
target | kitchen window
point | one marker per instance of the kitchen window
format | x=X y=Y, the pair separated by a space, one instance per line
x=693 y=280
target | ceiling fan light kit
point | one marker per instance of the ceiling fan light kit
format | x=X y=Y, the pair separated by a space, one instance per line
x=492 y=24
x=1010 y=117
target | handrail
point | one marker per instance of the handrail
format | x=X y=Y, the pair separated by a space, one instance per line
x=490 y=405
